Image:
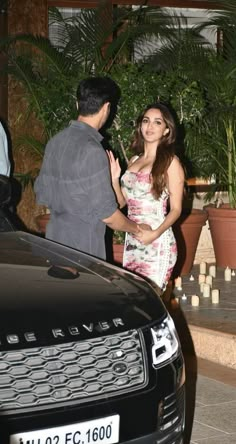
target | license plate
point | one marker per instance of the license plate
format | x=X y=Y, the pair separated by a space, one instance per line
x=99 y=431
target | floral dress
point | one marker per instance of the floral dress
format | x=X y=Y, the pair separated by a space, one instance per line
x=156 y=260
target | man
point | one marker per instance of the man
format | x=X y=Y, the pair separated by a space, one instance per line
x=4 y=159
x=74 y=181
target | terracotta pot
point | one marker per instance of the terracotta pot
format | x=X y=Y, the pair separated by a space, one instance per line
x=41 y=222
x=187 y=230
x=222 y=223
x=118 y=250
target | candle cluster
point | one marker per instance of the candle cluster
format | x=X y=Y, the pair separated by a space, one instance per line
x=206 y=281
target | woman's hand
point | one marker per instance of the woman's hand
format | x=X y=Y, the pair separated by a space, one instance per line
x=114 y=166
x=146 y=236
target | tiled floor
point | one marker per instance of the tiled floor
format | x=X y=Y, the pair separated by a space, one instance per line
x=215 y=407
x=210 y=387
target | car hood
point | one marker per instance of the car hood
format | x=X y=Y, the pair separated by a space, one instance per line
x=102 y=300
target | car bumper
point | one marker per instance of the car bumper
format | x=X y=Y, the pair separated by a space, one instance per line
x=174 y=437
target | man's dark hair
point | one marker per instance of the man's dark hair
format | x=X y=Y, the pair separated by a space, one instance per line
x=94 y=92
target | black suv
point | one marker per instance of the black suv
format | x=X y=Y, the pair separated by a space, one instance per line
x=88 y=352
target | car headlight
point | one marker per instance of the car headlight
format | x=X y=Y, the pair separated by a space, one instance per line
x=165 y=345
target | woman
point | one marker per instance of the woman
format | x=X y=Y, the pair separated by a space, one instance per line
x=152 y=187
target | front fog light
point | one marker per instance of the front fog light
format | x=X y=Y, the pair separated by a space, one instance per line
x=165 y=342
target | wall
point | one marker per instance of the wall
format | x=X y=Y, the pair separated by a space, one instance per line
x=25 y=16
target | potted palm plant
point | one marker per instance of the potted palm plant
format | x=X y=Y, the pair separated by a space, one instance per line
x=218 y=135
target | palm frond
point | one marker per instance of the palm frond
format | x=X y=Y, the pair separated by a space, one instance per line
x=185 y=49
x=36 y=146
x=27 y=179
x=51 y=55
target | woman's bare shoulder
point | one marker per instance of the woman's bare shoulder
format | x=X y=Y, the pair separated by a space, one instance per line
x=175 y=162
x=176 y=168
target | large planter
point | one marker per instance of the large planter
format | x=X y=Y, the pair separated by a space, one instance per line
x=187 y=230
x=118 y=250
x=222 y=223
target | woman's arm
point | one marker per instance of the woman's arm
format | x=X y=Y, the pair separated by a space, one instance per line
x=115 y=177
x=175 y=175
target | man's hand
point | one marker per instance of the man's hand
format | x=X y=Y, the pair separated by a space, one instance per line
x=146 y=235
x=145 y=227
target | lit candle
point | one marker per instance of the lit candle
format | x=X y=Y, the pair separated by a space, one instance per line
x=178 y=283
x=201 y=286
x=195 y=300
x=206 y=290
x=215 y=296
x=203 y=268
x=201 y=278
x=184 y=297
x=191 y=278
x=233 y=273
x=212 y=271
x=209 y=280
x=227 y=274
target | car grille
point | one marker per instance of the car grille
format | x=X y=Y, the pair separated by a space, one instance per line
x=75 y=371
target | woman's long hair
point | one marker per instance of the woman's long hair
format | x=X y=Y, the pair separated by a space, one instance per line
x=165 y=150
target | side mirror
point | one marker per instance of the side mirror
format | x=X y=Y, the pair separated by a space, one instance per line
x=5 y=190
